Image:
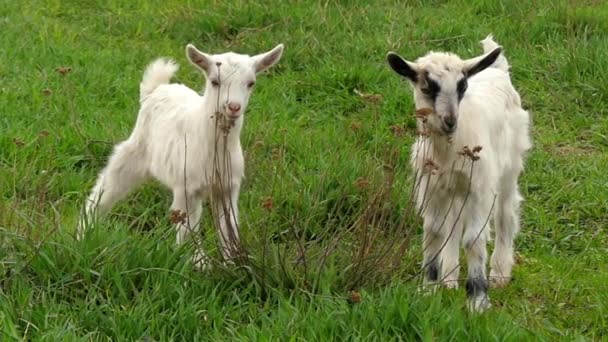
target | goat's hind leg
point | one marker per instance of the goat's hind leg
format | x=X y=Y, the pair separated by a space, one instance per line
x=125 y=170
x=506 y=221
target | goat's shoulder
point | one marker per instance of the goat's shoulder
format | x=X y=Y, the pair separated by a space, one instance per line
x=491 y=76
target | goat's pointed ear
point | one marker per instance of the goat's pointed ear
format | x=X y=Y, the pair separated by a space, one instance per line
x=200 y=59
x=477 y=64
x=265 y=60
x=403 y=67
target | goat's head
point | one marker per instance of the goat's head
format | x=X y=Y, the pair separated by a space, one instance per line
x=440 y=82
x=231 y=77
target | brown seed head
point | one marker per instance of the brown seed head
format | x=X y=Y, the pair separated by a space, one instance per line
x=18 y=142
x=371 y=98
x=471 y=154
x=398 y=130
x=177 y=216
x=355 y=126
x=430 y=167
x=354 y=297
x=423 y=113
x=267 y=203
x=424 y=133
x=361 y=183
x=258 y=143
x=63 y=70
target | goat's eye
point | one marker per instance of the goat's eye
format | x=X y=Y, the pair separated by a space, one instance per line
x=250 y=84
x=462 y=85
x=215 y=83
x=431 y=89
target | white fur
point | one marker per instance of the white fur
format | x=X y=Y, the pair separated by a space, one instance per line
x=178 y=141
x=489 y=115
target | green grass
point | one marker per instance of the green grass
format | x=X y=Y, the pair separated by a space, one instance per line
x=128 y=281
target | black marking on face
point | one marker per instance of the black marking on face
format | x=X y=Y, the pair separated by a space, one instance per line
x=476 y=287
x=431 y=89
x=461 y=87
x=432 y=272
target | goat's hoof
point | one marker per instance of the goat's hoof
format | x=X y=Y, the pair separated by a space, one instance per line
x=428 y=289
x=228 y=262
x=200 y=261
x=479 y=304
x=80 y=232
x=236 y=259
x=498 y=281
x=451 y=284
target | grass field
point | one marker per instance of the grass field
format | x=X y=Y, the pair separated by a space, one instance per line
x=309 y=140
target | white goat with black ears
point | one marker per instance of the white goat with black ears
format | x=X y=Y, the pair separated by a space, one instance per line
x=470 y=103
x=178 y=141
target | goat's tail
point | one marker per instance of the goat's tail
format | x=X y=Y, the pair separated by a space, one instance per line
x=501 y=62
x=158 y=72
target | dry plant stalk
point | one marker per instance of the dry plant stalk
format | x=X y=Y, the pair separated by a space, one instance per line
x=376 y=240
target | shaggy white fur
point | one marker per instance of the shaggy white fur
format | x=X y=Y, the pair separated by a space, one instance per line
x=458 y=187
x=188 y=142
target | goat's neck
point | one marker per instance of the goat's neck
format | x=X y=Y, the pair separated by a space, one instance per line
x=438 y=147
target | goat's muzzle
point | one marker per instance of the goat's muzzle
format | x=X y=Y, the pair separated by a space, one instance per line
x=448 y=124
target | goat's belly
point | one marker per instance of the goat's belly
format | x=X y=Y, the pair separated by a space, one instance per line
x=202 y=179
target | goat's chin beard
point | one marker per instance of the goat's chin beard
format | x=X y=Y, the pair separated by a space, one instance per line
x=437 y=130
x=232 y=117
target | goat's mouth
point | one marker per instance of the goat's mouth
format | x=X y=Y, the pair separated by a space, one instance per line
x=448 y=130
x=232 y=116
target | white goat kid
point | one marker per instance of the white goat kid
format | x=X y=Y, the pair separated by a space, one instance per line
x=190 y=143
x=473 y=103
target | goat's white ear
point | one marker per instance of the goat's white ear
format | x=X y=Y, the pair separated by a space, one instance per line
x=200 y=59
x=264 y=61
x=404 y=68
x=477 y=64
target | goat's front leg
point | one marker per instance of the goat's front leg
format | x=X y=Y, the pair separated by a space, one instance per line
x=450 y=263
x=474 y=240
x=226 y=213
x=506 y=220
x=186 y=212
x=432 y=244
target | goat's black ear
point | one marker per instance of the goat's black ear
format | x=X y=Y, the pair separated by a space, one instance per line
x=402 y=67
x=477 y=64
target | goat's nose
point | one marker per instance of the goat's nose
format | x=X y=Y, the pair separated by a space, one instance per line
x=234 y=107
x=450 y=121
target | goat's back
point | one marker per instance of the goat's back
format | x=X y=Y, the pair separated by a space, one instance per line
x=491 y=117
